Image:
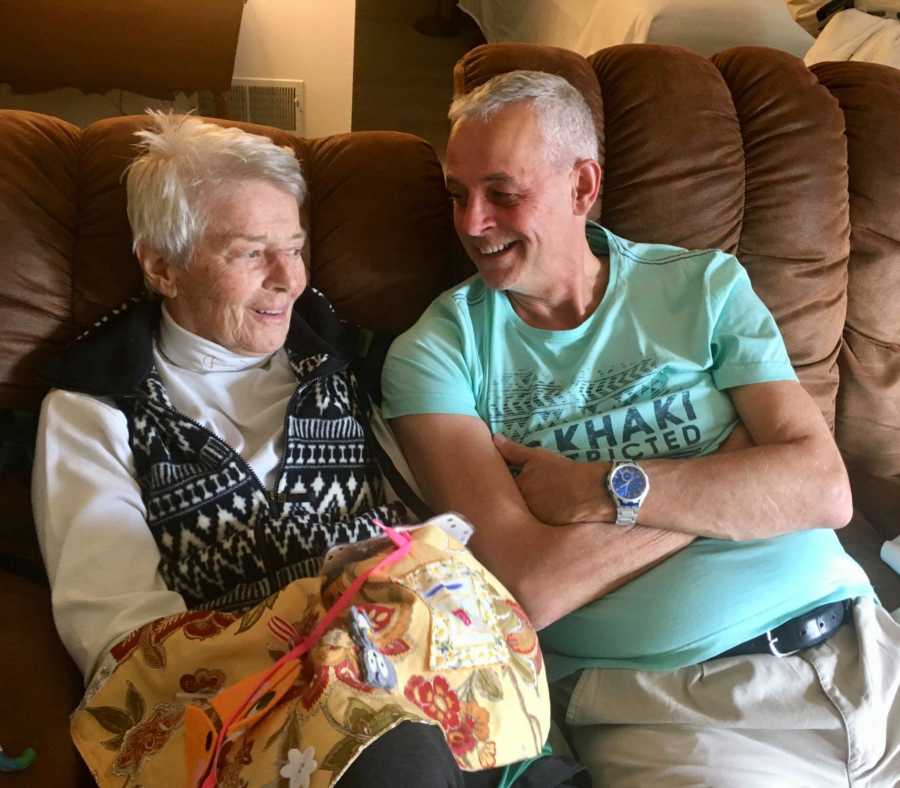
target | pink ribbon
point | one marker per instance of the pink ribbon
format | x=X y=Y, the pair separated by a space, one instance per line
x=403 y=544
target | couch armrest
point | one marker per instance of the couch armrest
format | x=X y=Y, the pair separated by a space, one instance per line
x=40 y=687
x=39 y=684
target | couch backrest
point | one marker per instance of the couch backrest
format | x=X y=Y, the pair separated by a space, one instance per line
x=868 y=403
x=381 y=239
x=795 y=171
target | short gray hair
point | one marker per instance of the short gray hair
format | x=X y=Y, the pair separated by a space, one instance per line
x=182 y=159
x=565 y=116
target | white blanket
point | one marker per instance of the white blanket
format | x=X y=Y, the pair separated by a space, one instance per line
x=585 y=26
x=855 y=35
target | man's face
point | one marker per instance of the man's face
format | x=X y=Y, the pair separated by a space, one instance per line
x=247 y=270
x=512 y=204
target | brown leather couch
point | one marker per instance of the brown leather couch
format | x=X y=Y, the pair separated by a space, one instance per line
x=797 y=172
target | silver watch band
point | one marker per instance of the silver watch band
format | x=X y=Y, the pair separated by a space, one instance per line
x=626 y=516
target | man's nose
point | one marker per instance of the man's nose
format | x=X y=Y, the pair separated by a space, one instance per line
x=473 y=217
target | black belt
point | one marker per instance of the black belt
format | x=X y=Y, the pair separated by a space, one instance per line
x=804 y=631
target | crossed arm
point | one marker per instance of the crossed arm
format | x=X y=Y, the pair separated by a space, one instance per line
x=787 y=476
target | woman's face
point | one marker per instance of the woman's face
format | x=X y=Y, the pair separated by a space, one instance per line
x=247 y=270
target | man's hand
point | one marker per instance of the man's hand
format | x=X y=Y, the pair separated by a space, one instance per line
x=559 y=491
x=551 y=571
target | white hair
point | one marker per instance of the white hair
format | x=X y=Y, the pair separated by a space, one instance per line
x=182 y=161
x=565 y=116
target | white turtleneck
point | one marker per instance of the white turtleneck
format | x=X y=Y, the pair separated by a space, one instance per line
x=242 y=399
x=101 y=559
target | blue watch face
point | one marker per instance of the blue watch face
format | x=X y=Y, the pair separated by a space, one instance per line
x=628 y=483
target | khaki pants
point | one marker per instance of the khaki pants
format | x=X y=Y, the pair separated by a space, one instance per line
x=829 y=716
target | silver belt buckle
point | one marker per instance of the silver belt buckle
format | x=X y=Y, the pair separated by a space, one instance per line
x=774 y=648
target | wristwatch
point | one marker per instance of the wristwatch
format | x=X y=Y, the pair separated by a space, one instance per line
x=628 y=485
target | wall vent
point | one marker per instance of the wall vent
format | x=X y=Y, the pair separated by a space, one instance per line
x=271 y=102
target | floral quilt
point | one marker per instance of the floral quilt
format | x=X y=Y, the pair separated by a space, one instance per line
x=434 y=638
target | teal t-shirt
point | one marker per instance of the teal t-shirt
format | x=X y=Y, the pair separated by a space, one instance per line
x=646 y=375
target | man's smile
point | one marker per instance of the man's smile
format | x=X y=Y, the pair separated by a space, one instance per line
x=493 y=249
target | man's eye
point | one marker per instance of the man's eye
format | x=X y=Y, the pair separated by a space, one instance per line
x=503 y=197
x=457 y=198
x=253 y=254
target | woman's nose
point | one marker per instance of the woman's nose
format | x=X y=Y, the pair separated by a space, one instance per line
x=287 y=271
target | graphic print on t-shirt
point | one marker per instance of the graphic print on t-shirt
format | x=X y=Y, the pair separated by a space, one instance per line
x=624 y=412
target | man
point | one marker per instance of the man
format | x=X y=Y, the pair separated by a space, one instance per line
x=573 y=350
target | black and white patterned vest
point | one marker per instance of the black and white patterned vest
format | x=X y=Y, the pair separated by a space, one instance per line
x=226 y=541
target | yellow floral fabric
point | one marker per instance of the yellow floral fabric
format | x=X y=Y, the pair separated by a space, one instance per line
x=463 y=652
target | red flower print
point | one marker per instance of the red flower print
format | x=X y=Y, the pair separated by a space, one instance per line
x=202 y=680
x=461 y=739
x=314 y=680
x=379 y=616
x=348 y=672
x=473 y=727
x=207 y=624
x=345 y=672
x=436 y=699
x=147 y=737
x=395 y=647
x=149 y=639
x=389 y=625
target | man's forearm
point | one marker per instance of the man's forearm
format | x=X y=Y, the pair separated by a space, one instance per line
x=783 y=473
x=751 y=494
x=556 y=570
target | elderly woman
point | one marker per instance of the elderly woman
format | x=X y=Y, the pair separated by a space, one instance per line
x=205 y=447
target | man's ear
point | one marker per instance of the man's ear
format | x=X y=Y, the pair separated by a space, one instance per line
x=586 y=178
x=160 y=276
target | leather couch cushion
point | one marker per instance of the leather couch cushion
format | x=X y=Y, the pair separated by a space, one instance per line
x=38 y=220
x=383 y=244
x=868 y=417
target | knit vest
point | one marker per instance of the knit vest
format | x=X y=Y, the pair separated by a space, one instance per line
x=225 y=541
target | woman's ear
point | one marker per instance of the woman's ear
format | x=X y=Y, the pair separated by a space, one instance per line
x=160 y=276
x=585 y=185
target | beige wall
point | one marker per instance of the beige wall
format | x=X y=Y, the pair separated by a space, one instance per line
x=310 y=40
